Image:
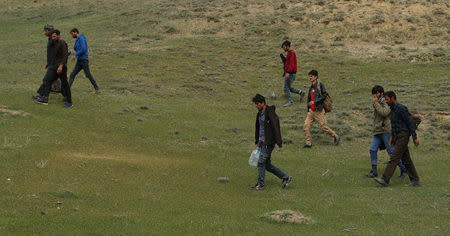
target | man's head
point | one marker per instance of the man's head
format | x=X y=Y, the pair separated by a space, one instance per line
x=286 y=45
x=48 y=30
x=259 y=101
x=55 y=35
x=378 y=91
x=390 y=98
x=313 y=75
x=74 y=32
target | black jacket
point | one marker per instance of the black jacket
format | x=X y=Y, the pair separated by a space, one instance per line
x=272 y=131
x=319 y=97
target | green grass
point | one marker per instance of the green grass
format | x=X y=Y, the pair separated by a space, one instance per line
x=175 y=114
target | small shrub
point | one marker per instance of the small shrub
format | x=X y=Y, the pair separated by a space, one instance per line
x=378 y=19
x=438 y=12
x=438 y=52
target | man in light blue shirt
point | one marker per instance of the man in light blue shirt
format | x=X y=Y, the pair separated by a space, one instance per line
x=82 y=56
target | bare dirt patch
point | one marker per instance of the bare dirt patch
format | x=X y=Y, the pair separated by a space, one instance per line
x=288 y=216
x=4 y=110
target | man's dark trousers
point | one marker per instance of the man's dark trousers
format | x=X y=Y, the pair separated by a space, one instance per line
x=51 y=76
x=82 y=64
x=401 y=152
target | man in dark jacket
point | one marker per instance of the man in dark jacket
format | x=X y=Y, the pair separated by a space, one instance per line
x=57 y=67
x=267 y=134
x=381 y=131
x=316 y=95
x=402 y=128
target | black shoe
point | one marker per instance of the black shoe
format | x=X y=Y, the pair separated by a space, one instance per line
x=36 y=97
x=381 y=181
x=403 y=174
x=68 y=104
x=257 y=187
x=414 y=184
x=286 y=182
x=42 y=100
x=371 y=175
x=302 y=95
x=307 y=146
x=336 y=140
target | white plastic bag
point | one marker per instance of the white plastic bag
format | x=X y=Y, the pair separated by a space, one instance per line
x=254 y=157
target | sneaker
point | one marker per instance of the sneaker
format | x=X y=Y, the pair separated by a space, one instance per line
x=68 y=104
x=381 y=181
x=371 y=175
x=257 y=187
x=41 y=100
x=336 y=140
x=414 y=184
x=403 y=174
x=286 y=182
x=36 y=97
x=302 y=95
x=288 y=104
x=307 y=146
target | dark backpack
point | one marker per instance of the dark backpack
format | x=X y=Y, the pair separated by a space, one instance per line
x=415 y=118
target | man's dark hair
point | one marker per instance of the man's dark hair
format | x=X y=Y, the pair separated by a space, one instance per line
x=314 y=72
x=56 y=32
x=390 y=94
x=48 y=27
x=286 y=43
x=259 y=99
x=74 y=30
x=377 y=89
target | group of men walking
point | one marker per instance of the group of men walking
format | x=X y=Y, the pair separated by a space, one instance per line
x=56 y=66
x=391 y=127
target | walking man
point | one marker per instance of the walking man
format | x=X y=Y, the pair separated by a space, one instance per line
x=402 y=128
x=57 y=67
x=381 y=131
x=82 y=56
x=267 y=134
x=316 y=95
x=57 y=84
x=290 y=70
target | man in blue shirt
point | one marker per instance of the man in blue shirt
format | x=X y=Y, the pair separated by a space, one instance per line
x=402 y=128
x=82 y=56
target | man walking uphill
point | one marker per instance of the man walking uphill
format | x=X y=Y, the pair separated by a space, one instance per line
x=316 y=96
x=267 y=134
x=82 y=56
x=381 y=131
x=57 y=67
x=290 y=70
x=402 y=128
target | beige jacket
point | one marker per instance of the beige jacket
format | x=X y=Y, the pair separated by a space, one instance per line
x=381 y=120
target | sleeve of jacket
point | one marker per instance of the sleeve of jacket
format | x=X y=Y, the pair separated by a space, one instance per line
x=382 y=109
x=405 y=117
x=276 y=129
x=256 y=129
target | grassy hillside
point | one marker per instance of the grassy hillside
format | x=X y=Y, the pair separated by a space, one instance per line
x=175 y=114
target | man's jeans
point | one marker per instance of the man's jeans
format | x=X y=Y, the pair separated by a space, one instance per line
x=265 y=164
x=377 y=140
x=287 y=86
x=82 y=65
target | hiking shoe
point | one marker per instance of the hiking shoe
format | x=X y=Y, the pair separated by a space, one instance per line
x=403 y=174
x=371 y=175
x=381 y=181
x=414 y=184
x=42 y=101
x=336 y=140
x=288 y=104
x=286 y=182
x=68 y=104
x=257 y=187
x=307 y=146
x=302 y=95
